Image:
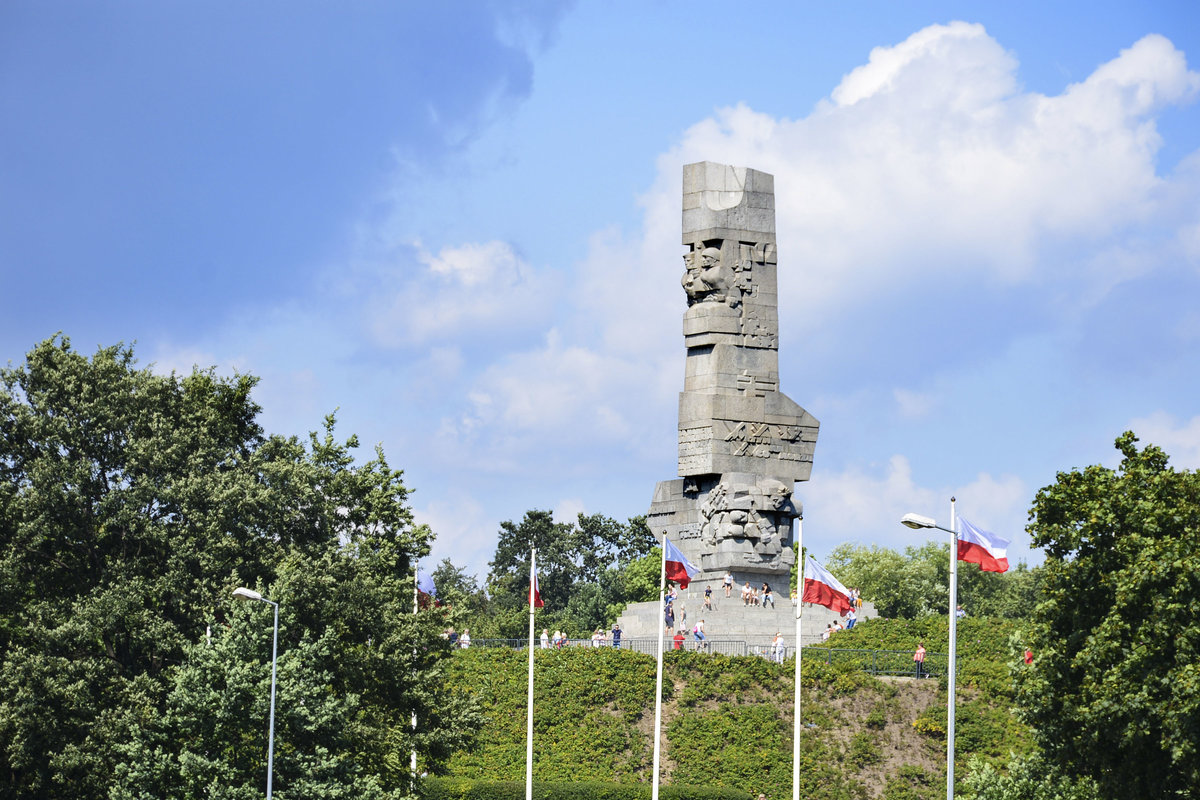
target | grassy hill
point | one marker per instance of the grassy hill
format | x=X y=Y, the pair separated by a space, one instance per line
x=727 y=721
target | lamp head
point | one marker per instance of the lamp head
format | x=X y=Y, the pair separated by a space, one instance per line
x=242 y=593
x=916 y=521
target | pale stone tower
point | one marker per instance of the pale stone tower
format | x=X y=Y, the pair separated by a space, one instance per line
x=743 y=444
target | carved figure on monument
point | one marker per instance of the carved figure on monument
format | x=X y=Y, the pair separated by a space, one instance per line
x=707 y=279
x=746 y=523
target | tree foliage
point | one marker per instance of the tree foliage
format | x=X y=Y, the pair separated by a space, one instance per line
x=131 y=504
x=917 y=581
x=582 y=567
x=1113 y=692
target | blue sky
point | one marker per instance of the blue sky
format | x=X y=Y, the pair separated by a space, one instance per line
x=458 y=224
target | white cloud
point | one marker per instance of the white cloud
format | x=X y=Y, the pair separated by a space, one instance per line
x=914 y=67
x=472 y=264
x=1180 y=440
x=461 y=293
x=181 y=360
x=865 y=504
x=569 y=509
x=464 y=532
x=929 y=162
x=913 y=404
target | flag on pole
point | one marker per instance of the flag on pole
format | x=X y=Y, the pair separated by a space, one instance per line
x=535 y=596
x=977 y=546
x=679 y=569
x=822 y=588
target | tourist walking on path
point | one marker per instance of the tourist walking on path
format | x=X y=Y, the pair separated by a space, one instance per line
x=698 y=632
x=851 y=618
x=919 y=659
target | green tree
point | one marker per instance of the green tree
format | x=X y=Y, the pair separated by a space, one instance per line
x=1027 y=778
x=1113 y=692
x=581 y=571
x=917 y=582
x=131 y=504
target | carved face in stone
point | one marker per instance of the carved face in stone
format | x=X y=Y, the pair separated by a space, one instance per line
x=777 y=494
x=706 y=279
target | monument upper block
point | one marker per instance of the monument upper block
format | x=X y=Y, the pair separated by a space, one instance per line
x=724 y=202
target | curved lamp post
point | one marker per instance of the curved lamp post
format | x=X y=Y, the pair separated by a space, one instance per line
x=247 y=595
x=918 y=522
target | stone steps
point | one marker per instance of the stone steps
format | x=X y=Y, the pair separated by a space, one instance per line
x=730 y=619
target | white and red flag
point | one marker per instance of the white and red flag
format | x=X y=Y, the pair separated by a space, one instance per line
x=822 y=588
x=679 y=569
x=535 y=596
x=977 y=546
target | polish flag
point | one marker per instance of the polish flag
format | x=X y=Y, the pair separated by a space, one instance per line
x=978 y=546
x=822 y=588
x=679 y=569
x=535 y=596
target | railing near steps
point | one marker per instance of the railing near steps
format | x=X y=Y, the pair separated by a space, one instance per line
x=875 y=662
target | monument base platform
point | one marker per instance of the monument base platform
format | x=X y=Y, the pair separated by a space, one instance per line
x=730 y=619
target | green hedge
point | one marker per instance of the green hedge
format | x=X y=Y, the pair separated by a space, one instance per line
x=462 y=789
x=727 y=720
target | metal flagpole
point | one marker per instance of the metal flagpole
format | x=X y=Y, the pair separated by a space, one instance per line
x=799 y=650
x=662 y=591
x=529 y=703
x=413 y=758
x=951 y=669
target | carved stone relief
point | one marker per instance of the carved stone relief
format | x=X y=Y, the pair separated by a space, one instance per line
x=745 y=523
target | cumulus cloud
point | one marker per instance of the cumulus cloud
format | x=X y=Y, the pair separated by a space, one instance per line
x=864 y=504
x=456 y=294
x=1179 y=439
x=929 y=160
x=554 y=400
x=927 y=163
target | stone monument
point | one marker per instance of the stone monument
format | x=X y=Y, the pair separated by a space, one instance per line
x=743 y=444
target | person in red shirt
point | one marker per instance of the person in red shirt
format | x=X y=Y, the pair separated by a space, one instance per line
x=1028 y=656
x=678 y=640
x=919 y=659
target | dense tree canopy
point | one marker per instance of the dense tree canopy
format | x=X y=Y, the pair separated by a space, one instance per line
x=131 y=504
x=1113 y=693
x=581 y=566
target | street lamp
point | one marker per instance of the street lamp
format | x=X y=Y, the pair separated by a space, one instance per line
x=918 y=522
x=248 y=595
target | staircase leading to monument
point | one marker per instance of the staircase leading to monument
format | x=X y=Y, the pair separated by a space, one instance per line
x=729 y=619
